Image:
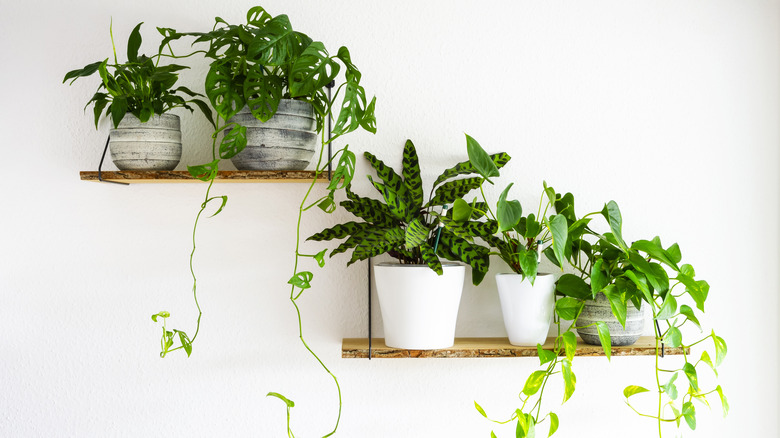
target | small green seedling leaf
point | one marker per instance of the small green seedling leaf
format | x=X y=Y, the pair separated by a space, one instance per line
x=720 y=349
x=544 y=355
x=705 y=357
x=162 y=314
x=320 y=258
x=686 y=311
x=553 y=424
x=633 y=390
x=723 y=401
x=479 y=409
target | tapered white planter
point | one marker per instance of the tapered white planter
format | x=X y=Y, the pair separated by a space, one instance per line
x=419 y=308
x=285 y=142
x=600 y=310
x=154 y=145
x=527 y=308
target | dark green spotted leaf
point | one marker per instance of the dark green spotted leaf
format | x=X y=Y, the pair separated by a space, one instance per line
x=411 y=175
x=466 y=168
x=339 y=231
x=448 y=192
x=416 y=233
x=370 y=210
x=386 y=174
x=468 y=253
x=430 y=258
x=396 y=202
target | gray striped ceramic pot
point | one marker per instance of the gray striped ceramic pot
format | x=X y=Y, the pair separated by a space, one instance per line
x=599 y=310
x=154 y=145
x=285 y=142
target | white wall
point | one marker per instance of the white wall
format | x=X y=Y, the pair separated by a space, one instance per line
x=670 y=108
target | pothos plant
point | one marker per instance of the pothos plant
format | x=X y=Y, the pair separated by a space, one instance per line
x=407 y=227
x=646 y=272
x=256 y=65
x=139 y=86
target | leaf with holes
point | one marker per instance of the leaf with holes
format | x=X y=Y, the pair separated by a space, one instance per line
x=368 y=119
x=225 y=94
x=204 y=172
x=312 y=70
x=262 y=92
x=233 y=142
x=273 y=44
x=352 y=73
x=345 y=171
x=185 y=342
x=301 y=280
x=352 y=108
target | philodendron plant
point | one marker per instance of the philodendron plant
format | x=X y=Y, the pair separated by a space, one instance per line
x=139 y=86
x=405 y=226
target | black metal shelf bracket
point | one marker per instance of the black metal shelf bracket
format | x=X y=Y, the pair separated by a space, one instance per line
x=330 y=132
x=658 y=329
x=100 y=166
x=369 y=308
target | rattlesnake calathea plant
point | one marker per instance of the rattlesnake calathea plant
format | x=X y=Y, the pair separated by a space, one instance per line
x=404 y=226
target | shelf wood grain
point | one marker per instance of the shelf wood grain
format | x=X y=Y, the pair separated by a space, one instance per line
x=223 y=176
x=355 y=348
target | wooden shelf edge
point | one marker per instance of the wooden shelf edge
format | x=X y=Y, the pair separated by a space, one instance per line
x=357 y=348
x=181 y=176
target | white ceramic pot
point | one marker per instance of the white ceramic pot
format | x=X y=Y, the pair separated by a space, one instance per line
x=419 y=307
x=154 y=145
x=527 y=308
x=285 y=142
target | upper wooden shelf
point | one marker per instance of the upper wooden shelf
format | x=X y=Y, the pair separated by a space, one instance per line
x=181 y=176
x=354 y=348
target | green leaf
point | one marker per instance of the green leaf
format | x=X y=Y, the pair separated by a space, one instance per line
x=705 y=357
x=544 y=355
x=723 y=401
x=224 y=202
x=686 y=311
x=133 y=44
x=340 y=231
x=479 y=409
x=690 y=373
x=598 y=280
x=286 y=401
x=395 y=201
x=534 y=382
x=352 y=73
x=205 y=172
x=233 y=142
x=604 y=338
x=573 y=286
x=617 y=303
x=480 y=159
x=416 y=233
x=569 y=308
x=471 y=254
x=312 y=70
x=369 y=210
x=301 y=279
x=529 y=263
x=674 y=253
x=668 y=308
x=508 y=213
x=465 y=167
x=448 y=192
x=162 y=314
x=559 y=229
x=224 y=92
x=611 y=212
x=368 y=120
x=641 y=284
x=656 y=251
x=553 y=424
x=654 y=272
x=352 y=110
x=88 y=70
x=344 y=172
x=430 y=258
x=461 y=210
x=262 y=92
x=570 y=344
x=689 y=413
x=185 y=342
x=569 y=379
x=670 y=389
x=387 y=174
x=720 y=349
x=673 y=337
x=273 y=43
x=633 y=390
x=676 y=414
x=411 y=175
x=257 y=16
x=118 y=110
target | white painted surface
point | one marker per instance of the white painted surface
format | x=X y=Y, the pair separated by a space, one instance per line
x=526 y=308
x=670 y=108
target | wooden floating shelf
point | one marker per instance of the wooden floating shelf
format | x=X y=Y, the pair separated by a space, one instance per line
x=223 y=176
x=356 y=348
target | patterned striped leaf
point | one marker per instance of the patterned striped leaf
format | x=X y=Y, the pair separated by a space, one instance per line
x=340 y=231
x=474 y=255
x=466 y=167
x=395 y=202
x=369 y=210
x=411 y=174
x=366 y=249
x=416 y=233
x=448 y=192
x=387 y=174
x=471 y=229
x=430 y=258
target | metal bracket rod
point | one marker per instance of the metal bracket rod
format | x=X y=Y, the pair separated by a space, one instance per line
x=369 y=308
x=330 y=133
x=100 y=167
x=658 y=328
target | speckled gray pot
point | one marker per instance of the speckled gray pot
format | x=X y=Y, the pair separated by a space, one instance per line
x=599 y=310
x=285 y=142
x=154 y=145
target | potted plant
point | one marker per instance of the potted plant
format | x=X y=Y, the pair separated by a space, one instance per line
x=419 y=296
x=271 y=83
x=138 y=95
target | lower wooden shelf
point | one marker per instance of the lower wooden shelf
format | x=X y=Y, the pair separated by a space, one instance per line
x=356 y=348
x=182 y=176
